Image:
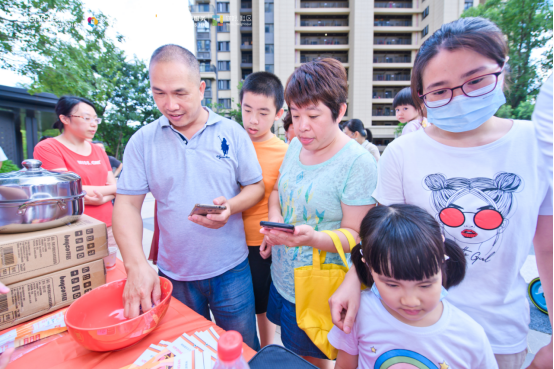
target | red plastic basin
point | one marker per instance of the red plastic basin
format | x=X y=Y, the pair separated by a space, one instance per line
x=96 y=321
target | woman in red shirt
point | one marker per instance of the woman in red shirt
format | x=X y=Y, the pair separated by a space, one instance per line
x=71 y=151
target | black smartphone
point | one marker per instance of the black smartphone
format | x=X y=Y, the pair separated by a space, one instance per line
x=289 y=228
x=201 y=209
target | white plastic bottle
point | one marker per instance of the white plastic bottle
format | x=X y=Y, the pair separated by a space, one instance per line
x=229 y=352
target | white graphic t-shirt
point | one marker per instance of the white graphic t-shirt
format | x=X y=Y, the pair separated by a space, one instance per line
x=487 y=199
x=454 y=342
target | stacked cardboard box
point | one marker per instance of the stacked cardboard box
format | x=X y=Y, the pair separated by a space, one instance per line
x=49 y=269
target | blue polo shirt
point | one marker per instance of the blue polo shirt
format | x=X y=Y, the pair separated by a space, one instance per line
x=181 y=172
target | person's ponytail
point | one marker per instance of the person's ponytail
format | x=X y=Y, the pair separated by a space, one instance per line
x=362 y=269
x=454 y=270
x=368 y=135
x=58 y=125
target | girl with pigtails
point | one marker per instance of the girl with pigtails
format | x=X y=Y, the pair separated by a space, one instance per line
x=482 y=179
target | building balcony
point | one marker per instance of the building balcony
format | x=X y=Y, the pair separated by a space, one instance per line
x=329 y=40
x=203 y=35
x=207 y=94
x=324 y=23
x=246 y=29
x=207 y=71
x=383 y=111
x=380 y=83
x=393 y=4
x=384 y=94
x=203 y=55
x=381 y=101
x=202 y=9
x=305 y=57
x=392 y=40
x=391 y=58
x=246 y=47
x=392 y=77
x=392 y=23
x=323 y=4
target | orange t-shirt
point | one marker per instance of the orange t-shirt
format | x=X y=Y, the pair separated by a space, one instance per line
x=92 y=169
x=270 y=155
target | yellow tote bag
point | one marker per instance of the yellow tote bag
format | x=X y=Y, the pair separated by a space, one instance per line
x=313 y=286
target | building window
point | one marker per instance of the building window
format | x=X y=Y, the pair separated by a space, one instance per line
x=208 y=83
x=206 y=102
x=224 y=84
x=202 y=26
x=222 y=7
x=269 y=49
x=224 y=65
x=225 y=103
x=270 y=68
x=203 y=45
x=425 y=13
x=268 y=7
x=425 y=31
x=224 y=27
x=223 y=46
x=468 y=4
x=269 y=28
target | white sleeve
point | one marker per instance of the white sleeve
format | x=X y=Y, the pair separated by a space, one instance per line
x=487 y=359
x=342 y=341
x=409 y=128
x=374 y=150
x=389 y=188
x=3 y=156
x=542 y=121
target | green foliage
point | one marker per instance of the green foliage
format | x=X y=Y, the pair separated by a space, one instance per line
x=528 y=26
x=399 y=128
x=8 y=166
x=234 y=114
x=28 y=27
x=66 y=56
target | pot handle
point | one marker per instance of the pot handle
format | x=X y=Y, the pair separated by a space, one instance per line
x=23 y=207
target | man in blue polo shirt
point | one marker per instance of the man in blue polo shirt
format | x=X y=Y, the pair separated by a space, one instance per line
x=190 y=155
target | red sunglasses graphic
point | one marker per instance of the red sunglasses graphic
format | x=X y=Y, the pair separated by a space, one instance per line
x=487 y=219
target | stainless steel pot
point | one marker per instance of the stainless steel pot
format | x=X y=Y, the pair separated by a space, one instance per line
x=34 y=198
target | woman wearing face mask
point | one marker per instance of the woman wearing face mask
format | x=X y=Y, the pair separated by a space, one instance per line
x=480 y=179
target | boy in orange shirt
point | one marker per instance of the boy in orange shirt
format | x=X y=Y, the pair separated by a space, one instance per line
x=262 y=99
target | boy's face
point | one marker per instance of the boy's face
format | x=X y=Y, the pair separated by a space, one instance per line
x=258 y=115
x=406 y=113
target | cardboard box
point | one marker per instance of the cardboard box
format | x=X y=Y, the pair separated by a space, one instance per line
x=41 y=295
x=32 y=254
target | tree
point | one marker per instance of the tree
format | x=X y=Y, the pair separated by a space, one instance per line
x=66 y=56
x=29 y=26
x=528 y=27
x=131 y=106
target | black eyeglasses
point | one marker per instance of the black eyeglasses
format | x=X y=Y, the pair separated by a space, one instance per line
x=475 y=87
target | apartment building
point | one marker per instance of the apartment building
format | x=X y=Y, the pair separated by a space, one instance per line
x=376 y=41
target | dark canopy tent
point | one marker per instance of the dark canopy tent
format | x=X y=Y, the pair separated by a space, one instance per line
x=24 y=118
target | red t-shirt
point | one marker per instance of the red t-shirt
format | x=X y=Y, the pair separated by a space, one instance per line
x=92 y=169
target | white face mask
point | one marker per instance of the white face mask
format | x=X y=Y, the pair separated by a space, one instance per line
x=464 y=113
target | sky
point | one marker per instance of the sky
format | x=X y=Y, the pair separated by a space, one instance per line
x=145 y=24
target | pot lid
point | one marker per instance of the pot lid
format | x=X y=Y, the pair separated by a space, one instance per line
x=34 y=182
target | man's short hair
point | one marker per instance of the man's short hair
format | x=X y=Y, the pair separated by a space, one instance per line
x=403 y=97
x=321 y=80
x=170 y=53
x=264 y=83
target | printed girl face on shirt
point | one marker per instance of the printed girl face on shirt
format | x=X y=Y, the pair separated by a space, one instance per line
x=415 y=303
x=466 y=211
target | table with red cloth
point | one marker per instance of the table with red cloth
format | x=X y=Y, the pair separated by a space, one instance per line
x=65 y=353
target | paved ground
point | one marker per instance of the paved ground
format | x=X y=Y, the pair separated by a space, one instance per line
x=540 y=332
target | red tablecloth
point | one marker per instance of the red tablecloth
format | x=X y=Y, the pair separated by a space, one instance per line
x=65 y=353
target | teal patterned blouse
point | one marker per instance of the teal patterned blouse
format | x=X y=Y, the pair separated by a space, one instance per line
x=312 y=194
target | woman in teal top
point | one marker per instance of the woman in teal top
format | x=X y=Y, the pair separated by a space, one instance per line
x=325 y=183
